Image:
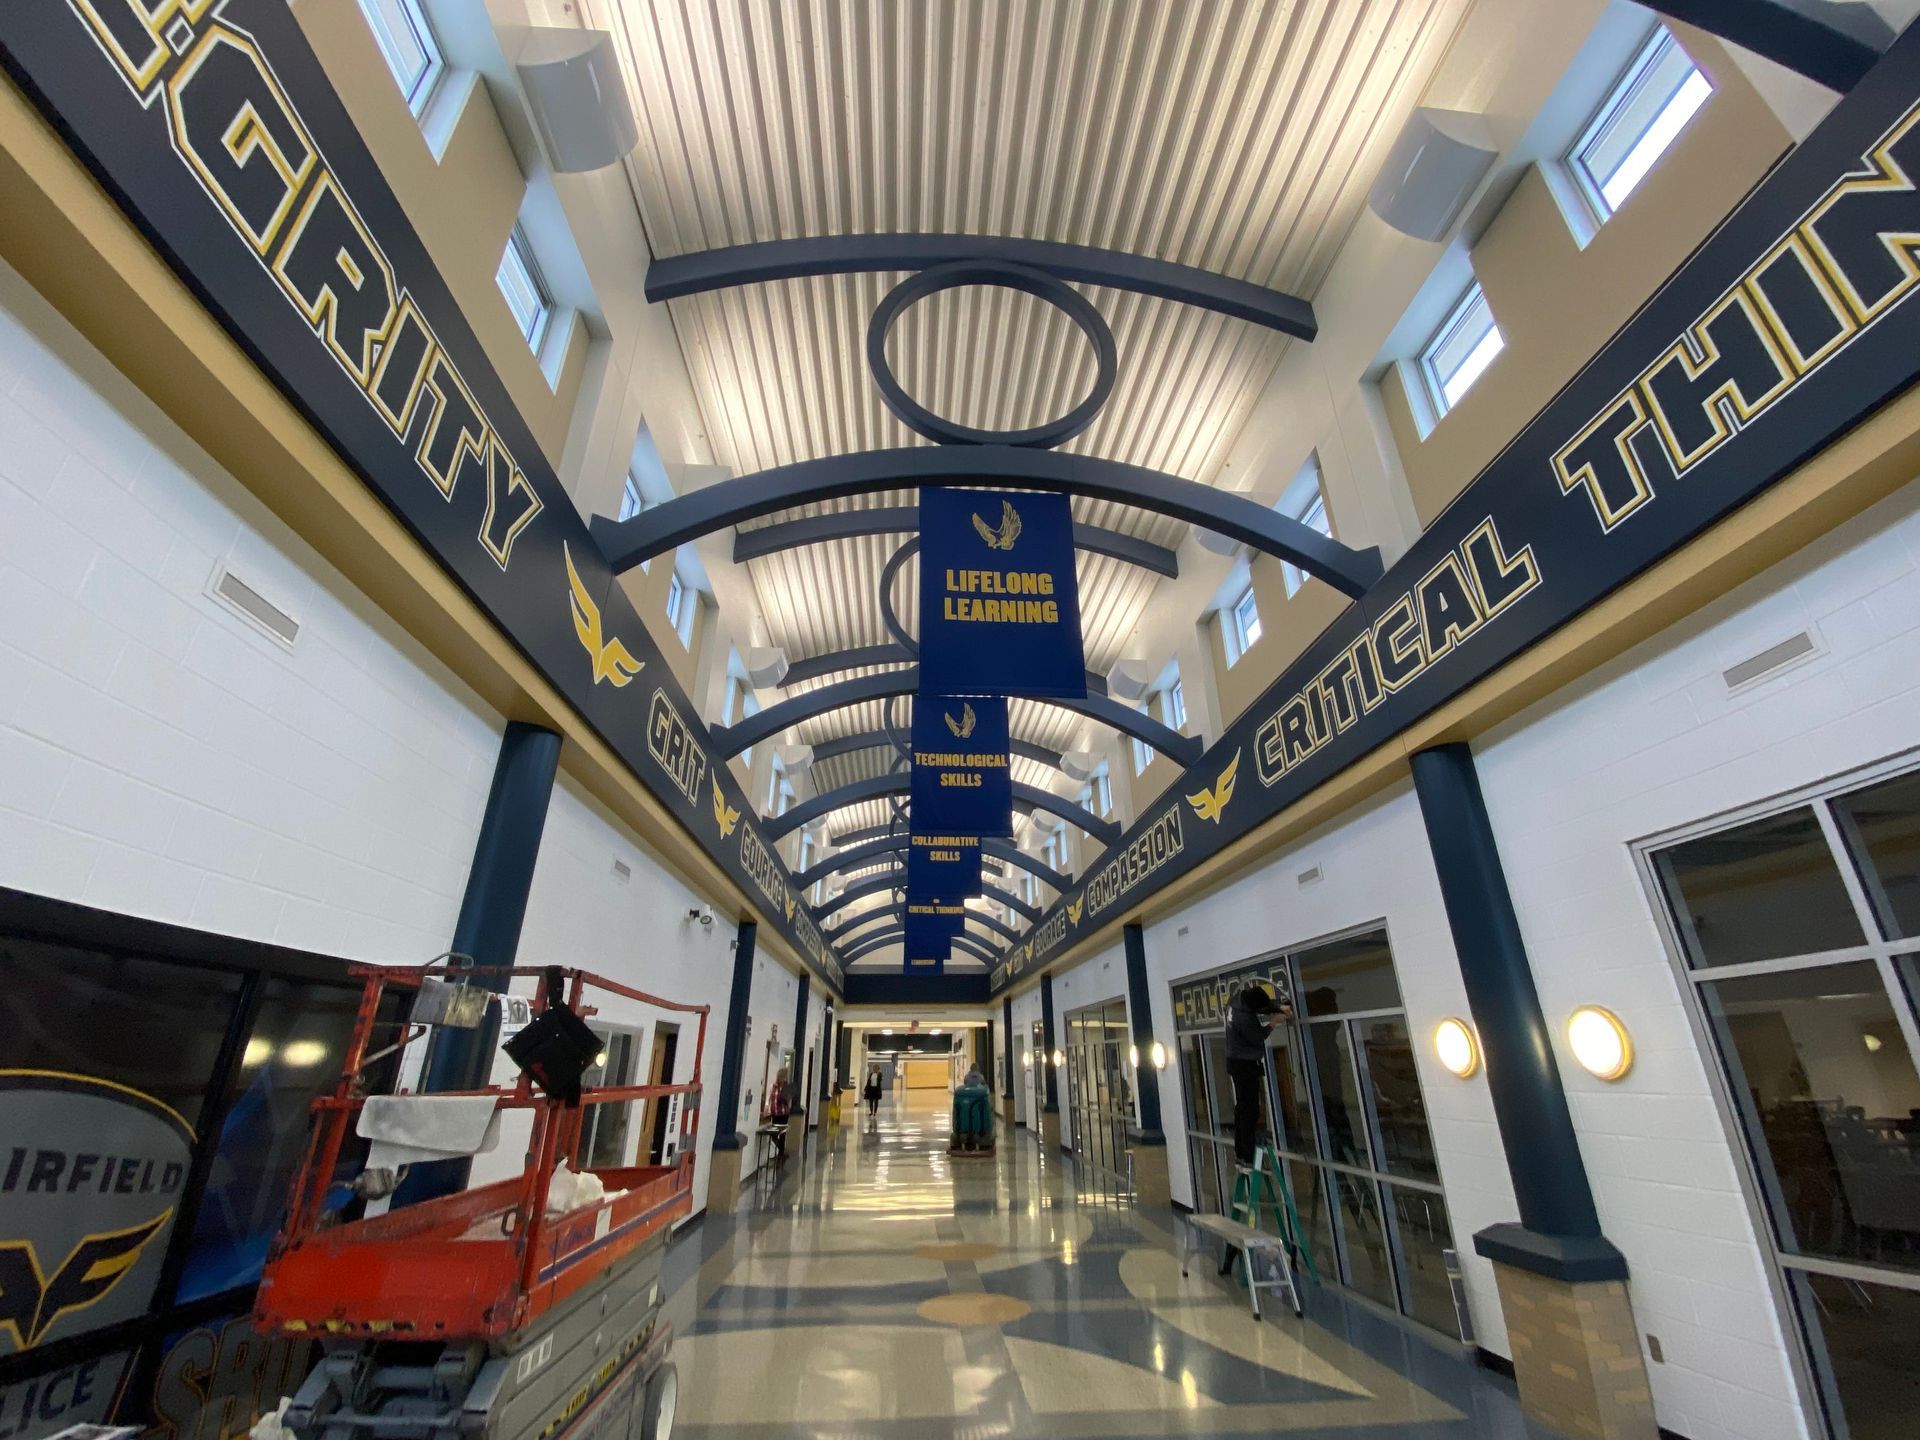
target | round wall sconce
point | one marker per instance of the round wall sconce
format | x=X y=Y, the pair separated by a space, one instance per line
x=1158 y=1055
x=1026 y=1062
x=1059 y=1058
x=1599 y=1042
x=1133 y=1057
x=1459 y=1052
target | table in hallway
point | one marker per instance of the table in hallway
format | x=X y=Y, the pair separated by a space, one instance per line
x=895 y=1291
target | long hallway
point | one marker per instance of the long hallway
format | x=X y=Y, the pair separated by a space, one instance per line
x=887 y=1288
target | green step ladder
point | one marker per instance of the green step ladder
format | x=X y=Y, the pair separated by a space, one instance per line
x=1262 y=1188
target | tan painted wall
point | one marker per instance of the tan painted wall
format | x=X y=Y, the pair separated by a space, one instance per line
x=1557 y=304
x=463 y=205
x=1288 y=624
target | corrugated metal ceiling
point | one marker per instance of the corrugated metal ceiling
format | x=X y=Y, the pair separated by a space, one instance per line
x=1237 y=135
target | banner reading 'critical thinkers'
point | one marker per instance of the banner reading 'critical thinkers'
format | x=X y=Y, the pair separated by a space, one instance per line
x=999 y=601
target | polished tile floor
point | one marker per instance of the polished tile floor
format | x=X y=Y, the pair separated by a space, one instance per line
x=880 y=1288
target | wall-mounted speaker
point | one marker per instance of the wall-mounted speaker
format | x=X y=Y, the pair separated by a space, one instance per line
x=578 y=99
x=1215 y=543
x=1128 y=681
x=1078 y=764
x=766 y=666
x=1435 y=166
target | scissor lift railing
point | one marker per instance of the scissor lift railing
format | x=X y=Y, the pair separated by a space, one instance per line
x=487 y=1261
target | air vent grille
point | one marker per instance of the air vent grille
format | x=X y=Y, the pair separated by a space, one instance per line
x=253 y=607
x=622 y=871
x=1774 y=658
x=1309 y=876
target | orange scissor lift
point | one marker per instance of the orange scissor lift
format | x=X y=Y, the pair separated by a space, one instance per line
x=484 y=1313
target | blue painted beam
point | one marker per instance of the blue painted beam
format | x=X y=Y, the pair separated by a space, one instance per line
x=880 y=845
x=877 y=740
x=860 y=657
x=905 y=519
x=730 y=265
x=878 y=786
x=747 y=497
x=898 y=911
x=730 y=740
x=973 y=945
x=1833 y=44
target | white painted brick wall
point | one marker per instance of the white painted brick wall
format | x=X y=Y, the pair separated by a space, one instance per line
x=1651 y=743
x=160 y=757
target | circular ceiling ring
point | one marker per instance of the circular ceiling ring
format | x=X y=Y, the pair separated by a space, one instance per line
x=1037 y=283
x=888 y=615
x=890 y=726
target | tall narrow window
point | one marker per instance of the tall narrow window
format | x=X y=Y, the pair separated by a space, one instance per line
x=632 y=502
x=1460 y=350
x=1306 y=502
x=1176 y=706
x=1648 y=108
x=525 y=291
x=409 y=46
x=1102 y=793
x=1142 y=751
x=676 y=600
x=1243 y=626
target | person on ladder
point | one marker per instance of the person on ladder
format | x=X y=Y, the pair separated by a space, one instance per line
x=1254 y=1010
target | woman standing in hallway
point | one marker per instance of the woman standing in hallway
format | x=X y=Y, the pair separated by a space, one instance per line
x=872 y=1092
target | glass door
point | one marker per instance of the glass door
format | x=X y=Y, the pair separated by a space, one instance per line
x=1796 y=933
x=1099 y=1099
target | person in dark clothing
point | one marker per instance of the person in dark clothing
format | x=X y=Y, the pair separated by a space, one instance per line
x=1254 y=1010
x=871 y=1094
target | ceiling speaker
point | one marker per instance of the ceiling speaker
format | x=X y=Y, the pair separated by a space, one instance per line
x=794 y=758
x=579 y=102
x=1078 y=764
x=766 y=667
x=1128 y=681
x=1439 y=160
x=1215 y=543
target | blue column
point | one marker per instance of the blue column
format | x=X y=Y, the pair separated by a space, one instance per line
x=1139 y=1009
x=1559 y=1230
x=733 y=1053
x=1052 y=1105
x=800 y=1041
x=826 y=1055
x=488 y=928
x=1006 y=1031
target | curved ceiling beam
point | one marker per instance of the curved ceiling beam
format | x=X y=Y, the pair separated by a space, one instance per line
x=905 y=519
x=879 y=847
x=730 y=740
x=992 y=922
x=861 y=656
x=1834 y=45
x=747 y=497
x=876 y=787
x=895 y=879
x=731 y=265
x=974 y=946
x=877 y=740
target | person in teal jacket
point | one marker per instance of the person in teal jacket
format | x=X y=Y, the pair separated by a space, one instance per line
x=973 y=1113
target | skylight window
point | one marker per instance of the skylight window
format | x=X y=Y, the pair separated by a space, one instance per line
x=526 y=292
x=1460 y=350
x=1659 y=93
x=409 y=46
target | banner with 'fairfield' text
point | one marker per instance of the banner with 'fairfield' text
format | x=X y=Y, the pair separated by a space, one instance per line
x=961 y=781
x=999 y=600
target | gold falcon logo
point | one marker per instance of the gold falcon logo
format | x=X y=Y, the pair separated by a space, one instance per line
x=612 y=661
x=964 y=727
x=1209 y=803
x=723 y=813
x=789 y=907
x=1009 y=531
x=1074 y=907
x=31 y=1302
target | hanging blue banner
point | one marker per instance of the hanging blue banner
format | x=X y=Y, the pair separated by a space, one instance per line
x=931 y=917
x=999 y=600
x=943 y=866
x=928 y=964
x=961 y=781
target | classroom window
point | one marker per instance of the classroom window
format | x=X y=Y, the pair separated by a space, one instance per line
x=1243 y=625
x=409 y=46
x=1460 y=350
x=1794 y=934
x=1648 y=108
x=525 y=292
x=1306 y=502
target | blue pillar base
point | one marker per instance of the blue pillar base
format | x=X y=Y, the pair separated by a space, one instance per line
x=1576 y=1259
